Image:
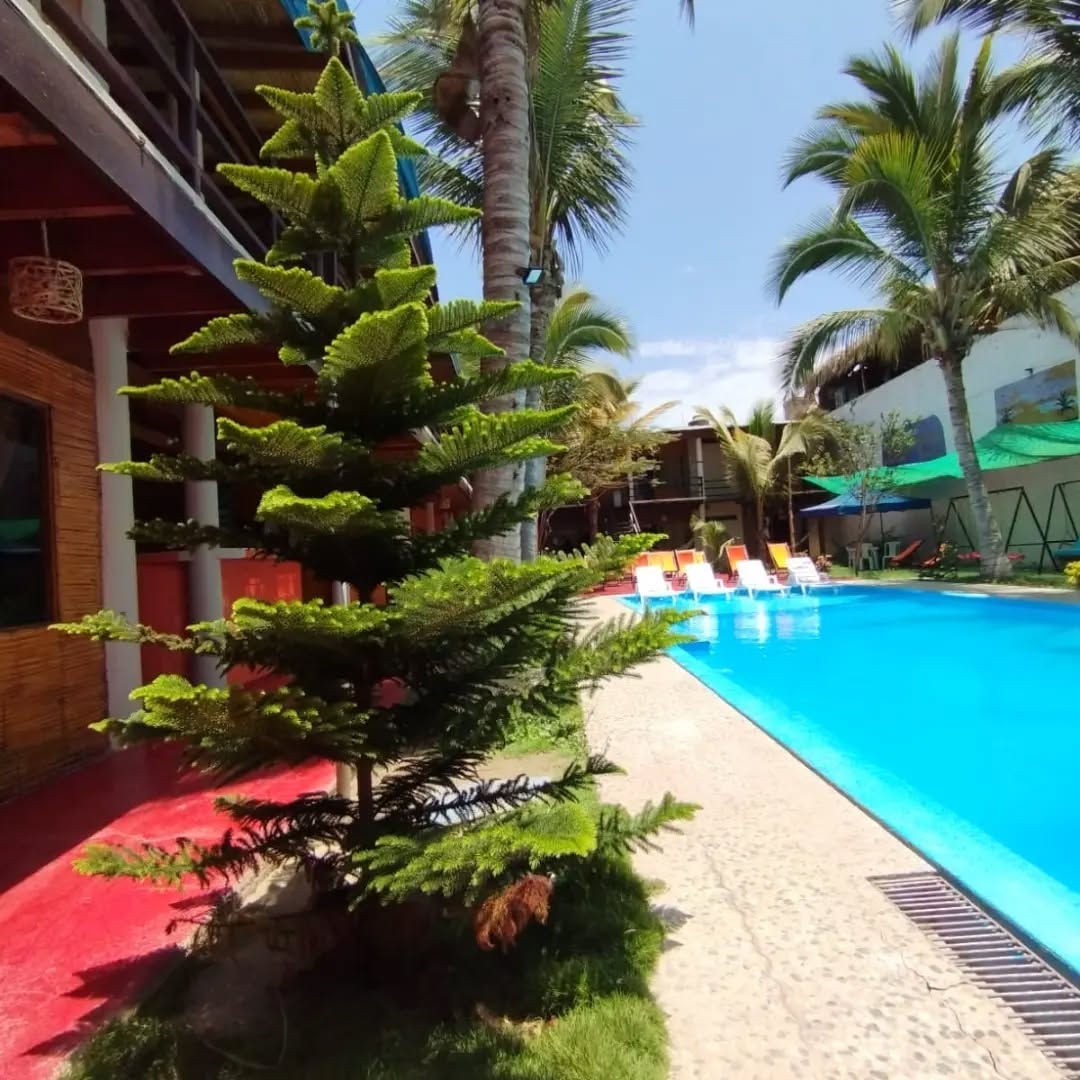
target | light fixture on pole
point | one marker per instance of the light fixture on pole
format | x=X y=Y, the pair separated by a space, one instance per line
x=531 y=275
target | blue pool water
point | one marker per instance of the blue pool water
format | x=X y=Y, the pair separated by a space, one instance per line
x=951 y=717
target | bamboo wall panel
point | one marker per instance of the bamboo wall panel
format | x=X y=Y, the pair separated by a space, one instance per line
x=52 y=686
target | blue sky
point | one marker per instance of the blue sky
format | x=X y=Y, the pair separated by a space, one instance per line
x=719 y=108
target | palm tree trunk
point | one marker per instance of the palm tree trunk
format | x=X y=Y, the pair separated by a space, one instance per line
x=504 y=114
x=790 y=506
x=991 y=547
x=544 y=299
x=594 y=519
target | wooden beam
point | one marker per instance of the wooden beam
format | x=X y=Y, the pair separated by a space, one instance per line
x=160 y=334
x=91 y=244
x=16 y=130
x=64 y=213
x=245 y=56
x=232 y=360
x=162 y=294
x=38 y=182
x=267 y=38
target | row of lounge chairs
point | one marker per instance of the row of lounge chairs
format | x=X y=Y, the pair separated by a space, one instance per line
x=677 y=562
x=751 y=577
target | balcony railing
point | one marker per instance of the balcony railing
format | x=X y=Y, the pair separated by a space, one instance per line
x=192 y=115
x=696 y=488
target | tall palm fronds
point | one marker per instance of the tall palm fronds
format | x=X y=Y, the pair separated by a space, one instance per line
x=552 y=166
x=758 y=454
x=925 y=216
x=1050 y=76
x=713 y=536
x=579 y=329
x=579 y=172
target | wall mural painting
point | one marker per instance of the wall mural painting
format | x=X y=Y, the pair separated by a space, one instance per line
x=929 y=442
x=1041 y=397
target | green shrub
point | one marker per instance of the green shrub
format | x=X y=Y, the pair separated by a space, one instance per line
x=1072 y=574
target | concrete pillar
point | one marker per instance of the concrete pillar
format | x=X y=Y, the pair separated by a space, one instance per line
x=345 y=780
x=201 y=503
x=119 y=578
x=699 y=451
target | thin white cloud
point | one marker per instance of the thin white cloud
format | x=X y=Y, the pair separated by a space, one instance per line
x=710 y=372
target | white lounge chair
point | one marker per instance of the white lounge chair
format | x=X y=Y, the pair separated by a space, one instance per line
x=701 y=581
x=651 y=584
x=754 y=578
x=804 y=575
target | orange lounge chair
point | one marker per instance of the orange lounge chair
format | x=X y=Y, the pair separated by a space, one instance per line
x=904 y=556
x=780 y=555
x=687 y=556
x=736 y=553
x=665 y=560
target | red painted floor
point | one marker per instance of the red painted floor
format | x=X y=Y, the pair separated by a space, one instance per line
x=73 y=949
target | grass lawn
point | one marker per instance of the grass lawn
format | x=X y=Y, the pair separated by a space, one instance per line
x=1047 y=579
x=570 y=1001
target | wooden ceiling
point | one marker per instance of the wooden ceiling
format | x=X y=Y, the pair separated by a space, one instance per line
x=147 y=248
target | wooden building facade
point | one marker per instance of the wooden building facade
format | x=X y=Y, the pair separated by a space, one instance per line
x=113 y=116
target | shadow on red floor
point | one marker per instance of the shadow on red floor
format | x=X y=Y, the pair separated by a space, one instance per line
x=74 y=950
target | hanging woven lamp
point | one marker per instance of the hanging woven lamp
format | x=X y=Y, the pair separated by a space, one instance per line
x=44 y=289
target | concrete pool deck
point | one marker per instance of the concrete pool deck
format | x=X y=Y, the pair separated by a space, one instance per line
x=785 y=961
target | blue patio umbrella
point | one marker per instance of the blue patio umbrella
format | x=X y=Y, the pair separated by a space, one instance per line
x=850 y=503
x=880 y=503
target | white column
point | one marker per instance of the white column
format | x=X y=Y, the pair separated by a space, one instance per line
x=201 y=503
x=345 y=782
x=119 y=579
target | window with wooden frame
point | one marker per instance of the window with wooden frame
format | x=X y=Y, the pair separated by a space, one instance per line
x=25 y=550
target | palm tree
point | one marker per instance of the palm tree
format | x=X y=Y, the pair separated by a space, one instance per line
x=499 y=51
x=713 y=536
x=579 y=174
x=758 y=454
x=579 y=328
x=1050 y=76
x=925 y=215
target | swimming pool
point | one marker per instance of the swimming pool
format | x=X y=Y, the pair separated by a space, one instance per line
x=952 y=717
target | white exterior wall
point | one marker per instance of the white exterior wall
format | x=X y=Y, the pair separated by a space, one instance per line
x=995 y=361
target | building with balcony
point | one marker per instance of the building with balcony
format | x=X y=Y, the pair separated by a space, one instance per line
x=689 y=481
x=113 y=116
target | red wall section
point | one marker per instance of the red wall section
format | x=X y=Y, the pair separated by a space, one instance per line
x=259 y=579
x=163 y=604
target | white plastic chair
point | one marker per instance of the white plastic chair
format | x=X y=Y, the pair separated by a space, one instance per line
x=754 y=578
x=803 y=574
x=701 y=581
x=651 y=584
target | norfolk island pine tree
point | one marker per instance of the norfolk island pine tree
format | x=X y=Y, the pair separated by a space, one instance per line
x=467 y=644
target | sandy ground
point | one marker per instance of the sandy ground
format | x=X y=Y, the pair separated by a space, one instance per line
x=789 y=962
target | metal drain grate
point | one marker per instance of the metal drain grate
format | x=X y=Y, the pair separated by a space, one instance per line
x=1045 y=1003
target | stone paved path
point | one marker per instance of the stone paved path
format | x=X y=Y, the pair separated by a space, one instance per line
x=790 y=963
